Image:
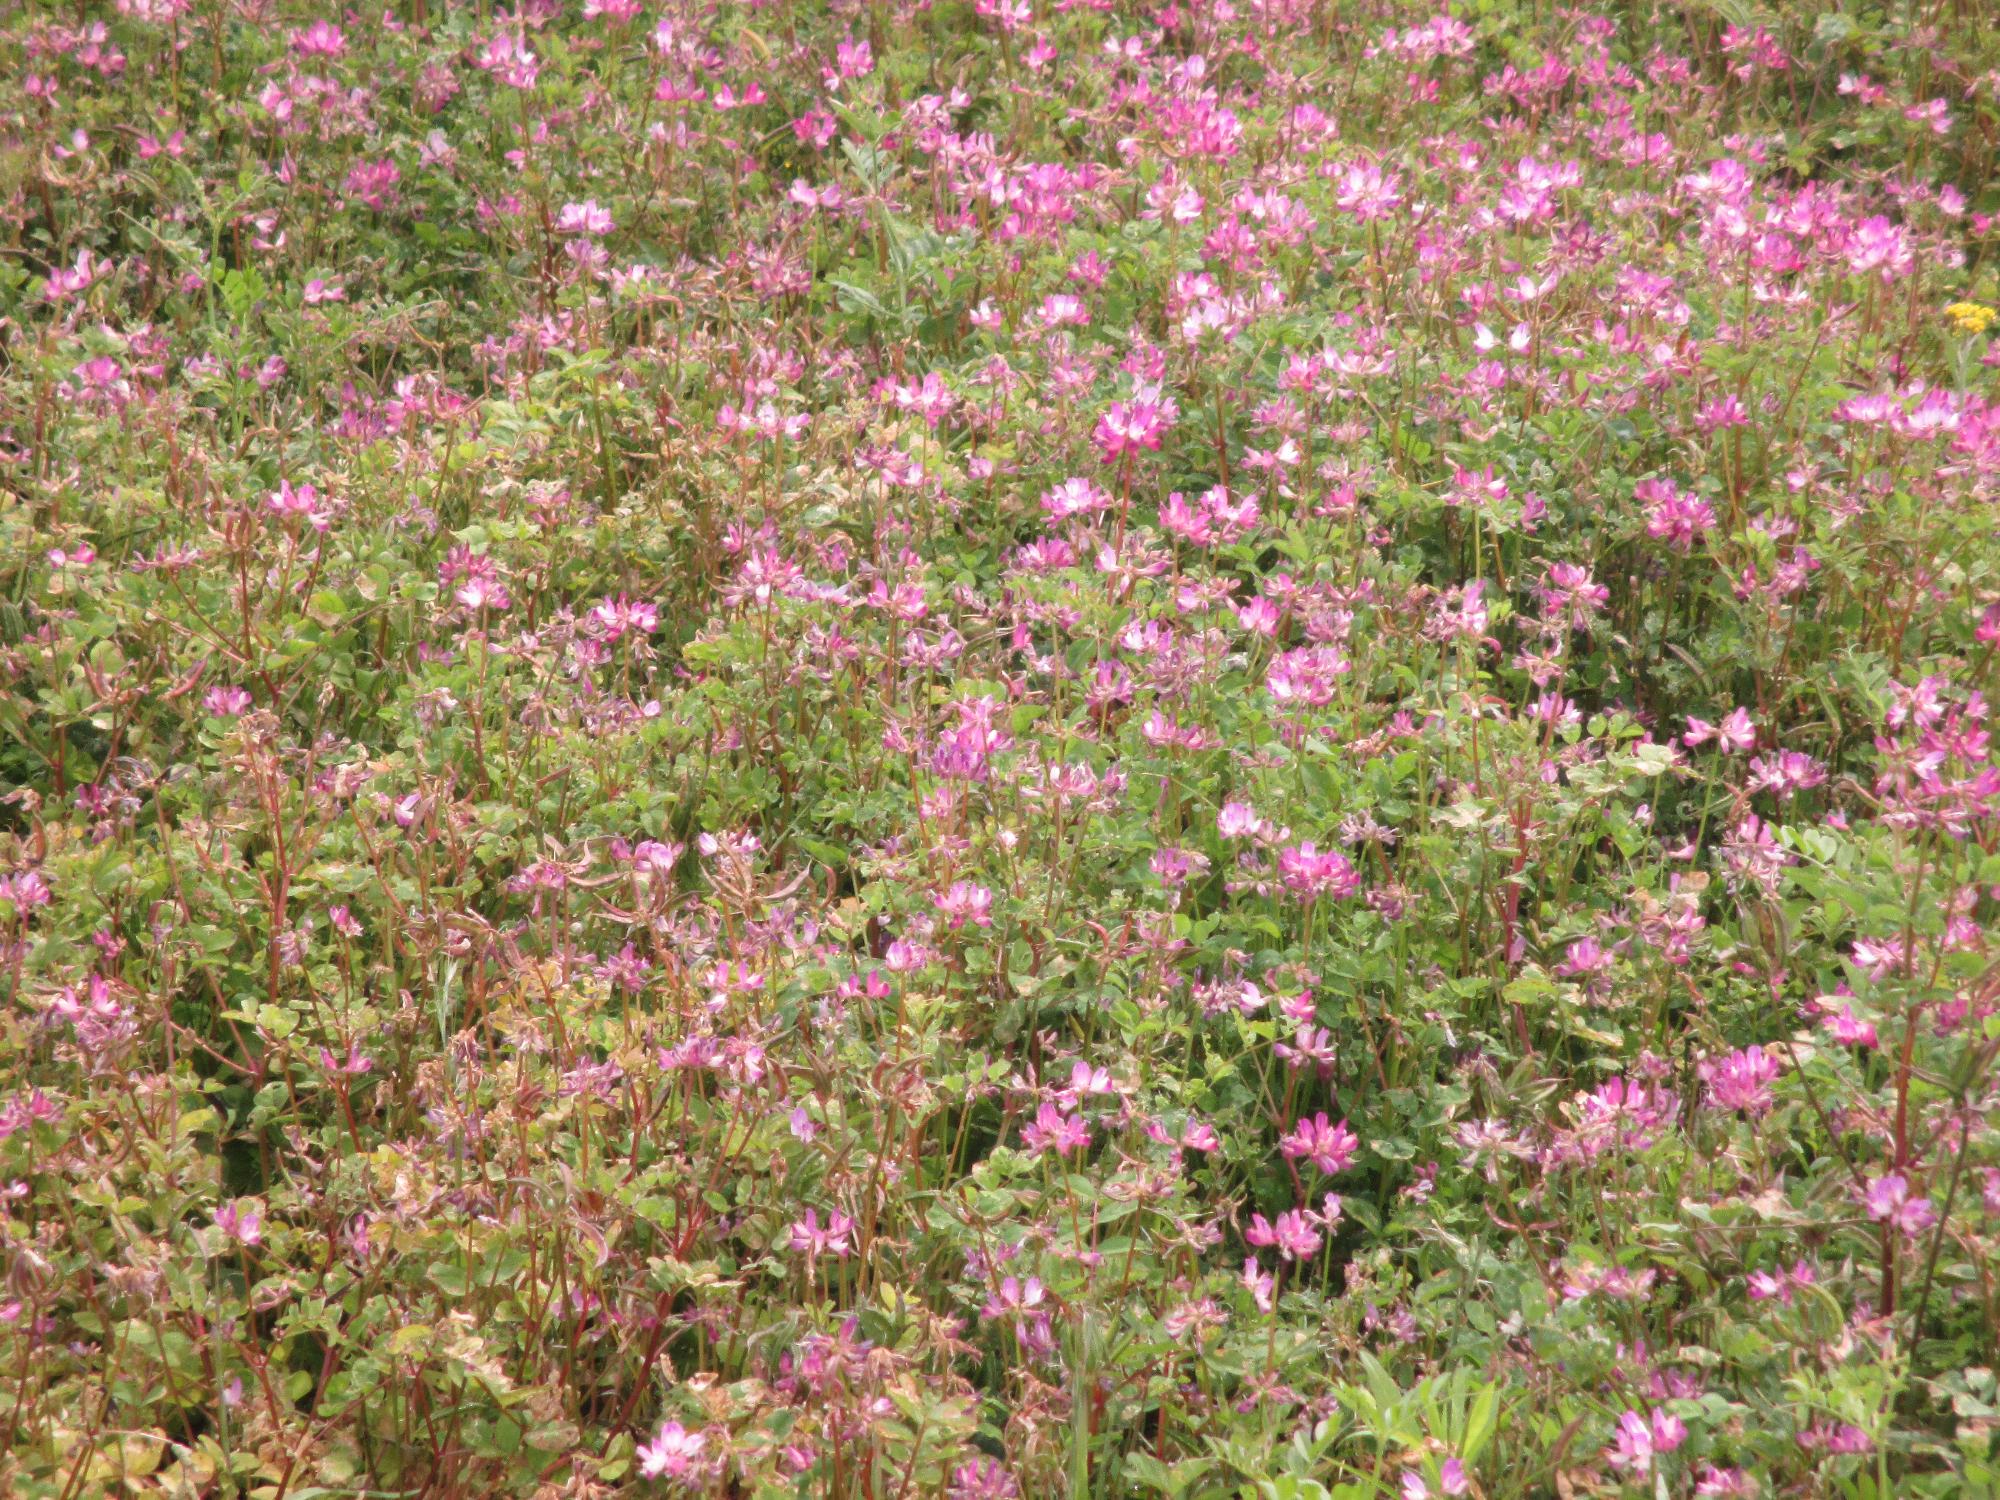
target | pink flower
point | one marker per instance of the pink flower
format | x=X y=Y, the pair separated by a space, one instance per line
x=616 y=617
x=1053 y=1130
x=1328 y=1147
x=982 y=1479
x=585 y=218
x=1847 y=1028
x=1718 y=1483
x=814 y=1239
x=321 y=39
x=1452 y=1480
x=1259 y=1282
x=1311 y=873
x=765 y=421
x=1130 y=427
x=673 y=1453
x=1239 y=820
x=1570 y=594
x=1292 y=1236
x=1636 y=1441
x=815 y=128
x=508 y=59
x=1765 y=1286
x=1879 y=956
x=1308 y=677
x=1785 y=772
x=1722 y=414
x=66 y=281
x=1311 y=1045
x=1742 y=1081
x=1879 y=247
x=300 y=502
x=374 y=184
x=1734 y=733
x=483 y=592
x=1585 y=956
x=1672 y=515
x=1014 y=1296
x=1367 y=192
x=354 y=1065
x=966 y=902
x=1888 y=1201
x=1835 y=1437
x=243 y=1222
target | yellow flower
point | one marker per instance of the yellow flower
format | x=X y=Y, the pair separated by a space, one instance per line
x=1970 y=317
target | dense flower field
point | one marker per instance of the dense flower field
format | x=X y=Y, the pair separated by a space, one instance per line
x=985 y=748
